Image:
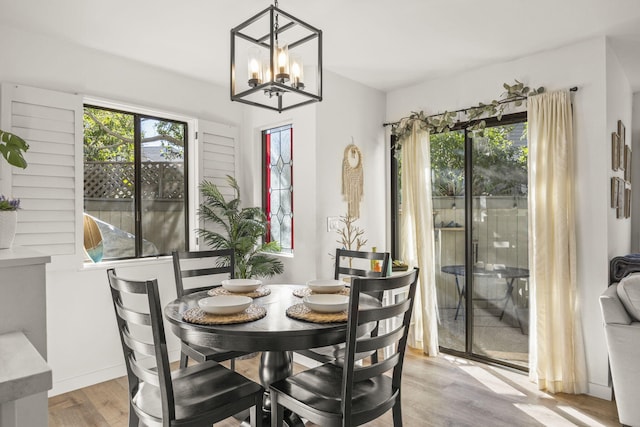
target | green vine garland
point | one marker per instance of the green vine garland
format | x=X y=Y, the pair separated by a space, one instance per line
x=475 y=116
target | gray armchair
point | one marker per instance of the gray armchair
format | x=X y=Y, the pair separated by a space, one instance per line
x=620 y=305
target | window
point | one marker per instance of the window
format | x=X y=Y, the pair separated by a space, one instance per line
x=277 y=193
x=135 y=186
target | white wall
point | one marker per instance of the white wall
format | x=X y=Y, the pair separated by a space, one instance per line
x=350 y=111
x=321 y=133
x=48 y=63
x=298 y=267
x=583 y=65
x=84 y=347
x=633 y=132
x=619 y=103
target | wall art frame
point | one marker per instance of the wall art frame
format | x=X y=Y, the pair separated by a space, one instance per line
x=615 y=151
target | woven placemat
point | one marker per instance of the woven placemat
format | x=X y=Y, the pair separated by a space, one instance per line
x=261 y=291
x=302 y=312
x=251 y=313
x=303 y=292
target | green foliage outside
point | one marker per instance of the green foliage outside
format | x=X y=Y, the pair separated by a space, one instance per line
x=240 y=229
x=499 y=165
x=109 y=136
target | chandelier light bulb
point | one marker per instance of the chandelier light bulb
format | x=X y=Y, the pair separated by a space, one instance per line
x=282 y=64
x=297 y=77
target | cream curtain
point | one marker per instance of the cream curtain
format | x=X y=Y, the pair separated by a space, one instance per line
x=556 y=350
x=417 y=236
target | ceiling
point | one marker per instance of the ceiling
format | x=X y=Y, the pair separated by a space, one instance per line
x=384 y=44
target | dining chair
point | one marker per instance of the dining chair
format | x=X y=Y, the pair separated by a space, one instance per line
x=351 y=264
x=348 y=394
x=199 y=395
x=199 y=271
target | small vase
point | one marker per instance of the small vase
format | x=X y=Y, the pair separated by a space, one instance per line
x=8 y=223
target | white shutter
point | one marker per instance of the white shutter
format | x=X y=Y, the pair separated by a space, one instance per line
x=51 y=123
x=218 y=153
x=218 y=156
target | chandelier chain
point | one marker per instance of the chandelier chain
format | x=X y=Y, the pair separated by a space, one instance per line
x=275 y=3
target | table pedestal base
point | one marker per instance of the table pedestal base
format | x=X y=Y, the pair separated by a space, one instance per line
x=274 y=366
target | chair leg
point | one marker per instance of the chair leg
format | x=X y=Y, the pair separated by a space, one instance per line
x=134 y=421
x=256 y=414
x=277 y=411
x=397 y=413
x=184 y=360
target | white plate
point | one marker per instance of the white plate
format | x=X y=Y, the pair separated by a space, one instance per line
x=326 y=303
x=241 y=285
x=325 y=286
x=225 y=304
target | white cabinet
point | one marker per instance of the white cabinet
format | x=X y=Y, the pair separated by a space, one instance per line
x=24 y=374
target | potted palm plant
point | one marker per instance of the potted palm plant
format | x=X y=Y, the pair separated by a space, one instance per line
x=240 y=229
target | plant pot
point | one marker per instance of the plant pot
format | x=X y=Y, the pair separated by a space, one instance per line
x=8 y=224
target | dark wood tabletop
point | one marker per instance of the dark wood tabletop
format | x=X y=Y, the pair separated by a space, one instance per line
x=274 y=332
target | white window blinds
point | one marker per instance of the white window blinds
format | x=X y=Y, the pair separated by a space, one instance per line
x=49 y=188
x=218 y=157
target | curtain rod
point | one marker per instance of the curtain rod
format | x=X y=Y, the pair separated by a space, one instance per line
x=464 y=110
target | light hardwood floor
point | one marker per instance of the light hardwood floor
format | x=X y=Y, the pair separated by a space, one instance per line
x=440 y=391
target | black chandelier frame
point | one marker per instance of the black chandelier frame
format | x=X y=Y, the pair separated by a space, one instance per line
x=268 y=41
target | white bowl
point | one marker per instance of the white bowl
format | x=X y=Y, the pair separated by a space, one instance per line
x=225 y=304
x=325 y=286
x=241 y=285
x=326 y=303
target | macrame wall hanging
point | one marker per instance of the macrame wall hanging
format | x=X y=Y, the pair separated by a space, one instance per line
x=352 y=179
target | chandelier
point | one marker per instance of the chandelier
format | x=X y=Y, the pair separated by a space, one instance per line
x=283 y=57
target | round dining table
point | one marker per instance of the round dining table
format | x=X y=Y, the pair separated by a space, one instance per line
x=276 y=335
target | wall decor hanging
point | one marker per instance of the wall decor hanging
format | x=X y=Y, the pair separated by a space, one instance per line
x=615 y=151
x=621 y=161
x=352 y=179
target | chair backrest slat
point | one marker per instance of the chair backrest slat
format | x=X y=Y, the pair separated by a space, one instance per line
x=345 y=260
x=370 y=371
x=197 y=271
x=149 y=376
x=366 y=345
x=203 y=272
x=372 y=315
x=132 y=316
x=137 y=345
x=393 y=341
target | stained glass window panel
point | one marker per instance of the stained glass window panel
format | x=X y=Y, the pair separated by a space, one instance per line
x=278 y=186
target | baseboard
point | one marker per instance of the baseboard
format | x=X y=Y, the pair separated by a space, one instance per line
x=600 y=391
x=85 y=380
x=305 y=361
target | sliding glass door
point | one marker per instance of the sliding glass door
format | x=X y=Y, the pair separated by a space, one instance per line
x=480 y=216
x=499 y=235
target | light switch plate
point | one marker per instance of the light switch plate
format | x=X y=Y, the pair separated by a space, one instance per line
x=333 y=223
